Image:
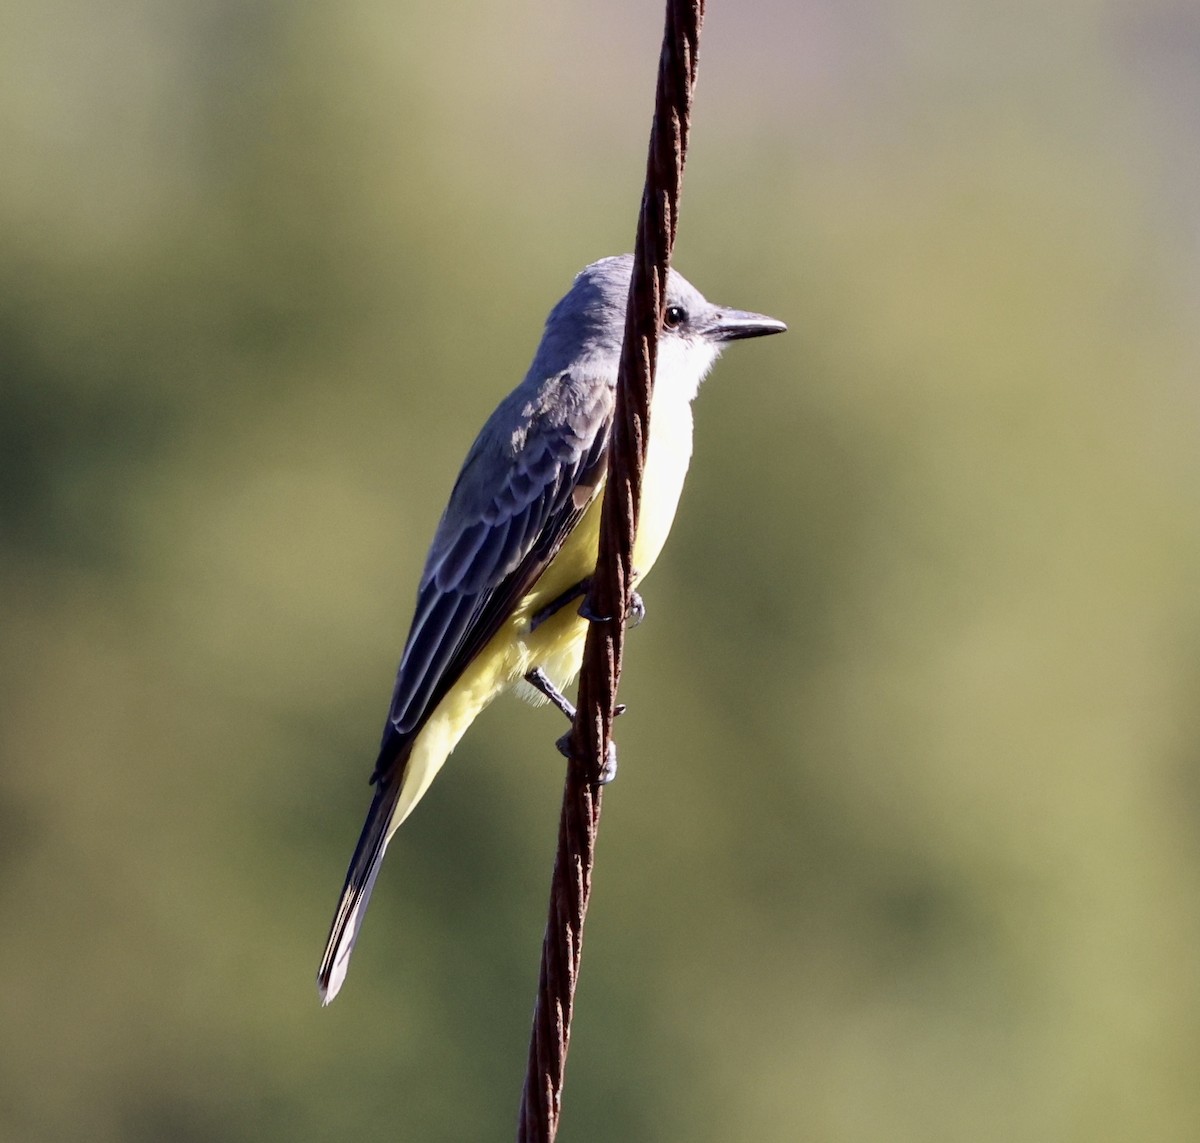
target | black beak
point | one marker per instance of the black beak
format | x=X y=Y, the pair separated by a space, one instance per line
x=733 y=325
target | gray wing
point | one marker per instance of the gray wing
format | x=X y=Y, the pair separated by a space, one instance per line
x=527 y=480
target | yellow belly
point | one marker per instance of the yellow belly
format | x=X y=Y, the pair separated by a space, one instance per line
x=556 y=646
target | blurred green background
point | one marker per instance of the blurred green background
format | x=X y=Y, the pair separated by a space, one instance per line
x=906 y=841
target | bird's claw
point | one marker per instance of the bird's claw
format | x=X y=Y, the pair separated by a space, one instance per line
x=634 y=614
x=607 y=772
x=637 y=610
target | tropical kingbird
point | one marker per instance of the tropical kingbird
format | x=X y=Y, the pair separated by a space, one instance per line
x=519 y=539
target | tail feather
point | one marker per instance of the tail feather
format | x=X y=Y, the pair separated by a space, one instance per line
x=356 y=893
x=407 y=766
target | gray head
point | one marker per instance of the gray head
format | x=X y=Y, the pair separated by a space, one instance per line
x=589 y=324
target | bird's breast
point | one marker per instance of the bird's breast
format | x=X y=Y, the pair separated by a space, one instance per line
x=557 y=642
x=667 y=461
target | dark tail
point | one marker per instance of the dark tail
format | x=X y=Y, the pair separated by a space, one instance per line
x=360 y=880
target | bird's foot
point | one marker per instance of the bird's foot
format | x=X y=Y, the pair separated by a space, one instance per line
x=637 y=610
x=540 y=681
x=607 y=772
x=634 y=614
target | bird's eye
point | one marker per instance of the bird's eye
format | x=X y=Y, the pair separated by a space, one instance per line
x=674 y=317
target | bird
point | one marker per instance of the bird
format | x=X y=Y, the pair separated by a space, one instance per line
x=518 y=541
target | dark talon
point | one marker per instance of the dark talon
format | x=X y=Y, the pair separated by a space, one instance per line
x=620 y=708
x=586 y=612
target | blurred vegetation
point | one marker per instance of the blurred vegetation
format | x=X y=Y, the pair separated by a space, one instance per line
x=906 y=842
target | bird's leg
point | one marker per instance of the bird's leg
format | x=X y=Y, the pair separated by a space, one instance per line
x=557 y=604
x=540 y=681
x=633 y=616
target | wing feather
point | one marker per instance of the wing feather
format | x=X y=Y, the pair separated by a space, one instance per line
x=511 y=510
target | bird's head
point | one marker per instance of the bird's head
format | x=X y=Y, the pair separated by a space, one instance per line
x=588 y=324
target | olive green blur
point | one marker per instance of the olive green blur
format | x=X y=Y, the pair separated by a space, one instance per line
x=906 y=840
